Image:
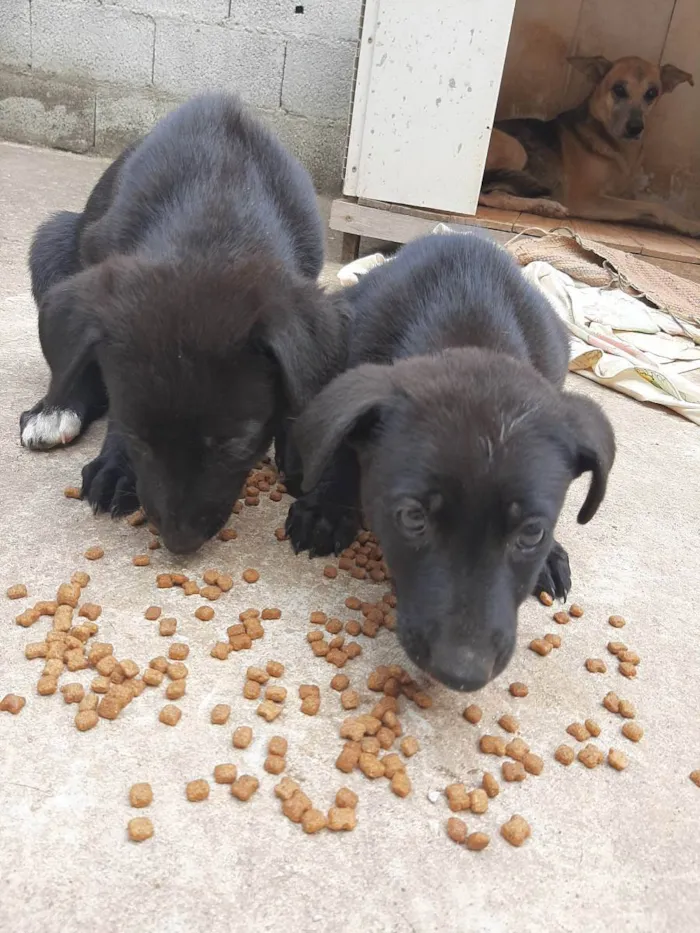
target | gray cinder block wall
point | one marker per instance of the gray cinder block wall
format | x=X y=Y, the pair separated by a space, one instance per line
x=93 y=75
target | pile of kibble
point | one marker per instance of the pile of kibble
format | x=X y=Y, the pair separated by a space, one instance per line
x=371 y=742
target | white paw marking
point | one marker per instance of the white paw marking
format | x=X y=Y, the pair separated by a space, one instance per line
x=52 y=428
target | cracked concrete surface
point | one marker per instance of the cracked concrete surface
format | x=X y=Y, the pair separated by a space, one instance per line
x=608 y=850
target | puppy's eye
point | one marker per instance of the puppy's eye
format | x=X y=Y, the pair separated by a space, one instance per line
x=411 y=517
x=619 y=90
x=651 y=94
x=530 y=536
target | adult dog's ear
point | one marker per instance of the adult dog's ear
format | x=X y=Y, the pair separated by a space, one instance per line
x=344 y=411
x=307 y=339
x=594 y=445
x=671 y=77
x=71 y=325
x=594 y=67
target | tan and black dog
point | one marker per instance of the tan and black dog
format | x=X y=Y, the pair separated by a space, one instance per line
x=583 y=163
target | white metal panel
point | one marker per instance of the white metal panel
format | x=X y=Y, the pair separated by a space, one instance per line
x=426 y=92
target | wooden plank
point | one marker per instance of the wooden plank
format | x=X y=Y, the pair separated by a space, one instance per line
x=664 y=245
x=615 y=235
x=393 y=227
x=484 y=217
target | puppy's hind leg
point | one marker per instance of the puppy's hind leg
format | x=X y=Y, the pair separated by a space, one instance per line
x=326 y=519
x=555 y=575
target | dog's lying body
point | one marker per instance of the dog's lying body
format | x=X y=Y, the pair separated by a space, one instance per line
x=584 y=162
x=183 y=298
x=451 y=430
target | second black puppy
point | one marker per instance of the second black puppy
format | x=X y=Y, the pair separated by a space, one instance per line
x=184 y=299
x=451 y=430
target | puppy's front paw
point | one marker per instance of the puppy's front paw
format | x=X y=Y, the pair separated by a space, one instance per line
x=555 y=576
x=320 y=527
x=109 y=486
x=43 y=428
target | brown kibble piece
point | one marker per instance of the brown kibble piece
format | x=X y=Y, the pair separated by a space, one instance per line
x=578 y=731
x=540 y=646
x=409 y=746
x=191 y=589
x=46 y=685
x=565 y=754
x=616 y=621
x=275 y=764
x=269 y=614
x=312 y=820
x=211 y=593
x=152 y=678
x=227 y=534
x=473 y=714
x=533 y=764
x=479 y=800
x=167 y=627
x=616 y=647
x=250 y=575
x=632 y=731
x=27 y=618
x=244 y=787
x=176 y=690
x=80 y=577
x=295 y=807
x=490 y=785
x=178 y=651
x=141 y=560
x=18 y=591
x=370 y=765
x=349 y=757
x=516 y=830
x=307 y=690
x=330 y=572
x=86 y=719
x=513 y=771
x=269 y=710
x=73 y=693
x=350 y=699
x=35 y=649
x=242 y=737
x=204 y=613
x=286 y=788
x=590 y=756
x=492 y=745
x=352 y=602
x=94 y=553
x=68 y=595
x=225 y=774
x=72 y=492
x=220 y=714
x=617 y=759
x=475 y=842
x=554 y=640
x=546 y=599
x=177 y=671
x=695 y=777
x=90 y=611
x=277 y=746
x=310 y=705
x=629 y=657
x=596 y=666
x=592 y=727
x=280 y=534
x=274 y=668
x=340 y=682
x=341 y=819
x=197 y=790
x=11 y=703
x=611 y=702
x=626 y=709
x=140 y=828
x=627 y=669
x=258 y=675
x=458 y=797
x=170 y=715
x=140 y=795
x=457 y=829
x=518 y=689
x=158 y=664
x=109 y=707
x=509 y=723
x=346 y=798
x=575 y=610
x=251 y=690
x=276 y=693
x=561 y=617
x=152 y=613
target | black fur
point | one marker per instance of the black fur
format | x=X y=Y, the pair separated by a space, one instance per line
x=451 y=430
x=185 y=295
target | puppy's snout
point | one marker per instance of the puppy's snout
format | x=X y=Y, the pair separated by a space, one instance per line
x=182 y=540
x=634 y=128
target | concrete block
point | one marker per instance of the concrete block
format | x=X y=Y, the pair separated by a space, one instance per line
x=122 y=118
x=43 y=112
x=15 y=34
x=191 y=58
x=332 y=19
x=86 y=40
x=319 y=146
x=318 y=78
x=211 y=11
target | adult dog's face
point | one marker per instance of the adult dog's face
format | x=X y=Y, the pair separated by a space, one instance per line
x=201 y=365
x=465 y=459
x=627 y=90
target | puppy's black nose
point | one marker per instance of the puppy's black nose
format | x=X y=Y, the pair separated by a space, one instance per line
x=461 y=668
x=182 y=541
x=633 y=130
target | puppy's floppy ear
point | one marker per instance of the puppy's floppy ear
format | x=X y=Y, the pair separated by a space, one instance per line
x=341 y=412
x=594 y=67
x=307 y=341
x=594 y=444
x=671 y=77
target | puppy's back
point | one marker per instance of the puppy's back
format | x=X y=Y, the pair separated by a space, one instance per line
x=451 y=290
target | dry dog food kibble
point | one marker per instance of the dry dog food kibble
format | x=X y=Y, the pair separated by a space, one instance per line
x=277 y=746
x=479 y=800
x=242 y=737
x=341 y=819
x=616 y=621
x=176 y=690
x=220 y=714
x=477 y=841
x=575 y=610
x=350 y=699
x=274 y=668
x=518 y=689
x=12 y=704
x=94 y=553
x=490 y=785
x=225 y=774
x=617 y=759
x=401 y=784
x=509 y=723
x=269 y=710
x=340 y=682
x=627 y=669
x=457 y=829
x=140 y=795
x=295 y=807
x=346 y=798
x=250 y=575
x=167 y=627
x=312 y=820
x=513 y=771
x=578 y=731
x=611 y=702
x=178 y=651
x=554 y=640
x=81 y=578
x=177 y=671
x=565 y=755
x=533 y=764
x=516 y=830
x=18 y=591
x=492 y=745
x=276 y=693
x=409 y=746
x=473 y=714
x=274 y=764
x=458 y=797
x=251 y=690
x=546 y=599
x=72 y=492
x=258 y=675
x=561 y=617
x=616 y=647
x=695 y=777
x=596 y=666
x=270 y=614
x=592 y=727
x=140 y=828
x=86 y=719
x=152 y=613
x=204 y=613
x=170 y=715
x=141 y=560
x=197 y=790
x=590 y=756
x=73 y=693
x=632 y=731
x=626 y=709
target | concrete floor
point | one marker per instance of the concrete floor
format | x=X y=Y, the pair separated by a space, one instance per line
x=608 y=850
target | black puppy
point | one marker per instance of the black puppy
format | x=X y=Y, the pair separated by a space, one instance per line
x=451 y=429
x=184 y=299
